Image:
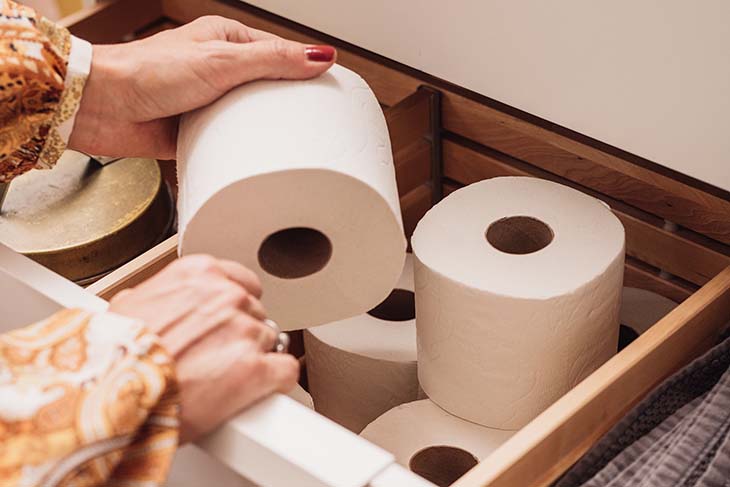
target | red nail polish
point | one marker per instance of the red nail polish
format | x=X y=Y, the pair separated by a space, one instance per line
x=320 y=54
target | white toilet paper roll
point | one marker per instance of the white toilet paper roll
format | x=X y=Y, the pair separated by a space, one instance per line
x=301 y=396
x=431 y=442
x=361 y=367
x=518 y=286
x=641 y=309
x=295 y=180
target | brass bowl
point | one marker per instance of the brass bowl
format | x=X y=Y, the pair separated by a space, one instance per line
x=83 y=220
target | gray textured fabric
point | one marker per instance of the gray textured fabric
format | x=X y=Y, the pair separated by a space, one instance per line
x=678 y=436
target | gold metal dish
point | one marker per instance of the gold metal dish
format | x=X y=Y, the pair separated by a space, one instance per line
x=82 y=219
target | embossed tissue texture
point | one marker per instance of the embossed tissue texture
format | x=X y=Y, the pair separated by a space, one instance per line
x=275 y=155
x=502 y=336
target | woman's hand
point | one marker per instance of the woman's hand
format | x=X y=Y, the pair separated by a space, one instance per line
x=136 y=90
x=208 y=315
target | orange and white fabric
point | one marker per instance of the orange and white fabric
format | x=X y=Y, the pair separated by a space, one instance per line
x=86 y=400
x=43 y=70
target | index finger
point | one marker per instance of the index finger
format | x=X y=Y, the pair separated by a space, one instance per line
x=241 y=275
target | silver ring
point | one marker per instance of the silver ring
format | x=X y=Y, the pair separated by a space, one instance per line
x=282 y=339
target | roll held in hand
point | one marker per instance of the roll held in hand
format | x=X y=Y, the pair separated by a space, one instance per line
x=295 y=180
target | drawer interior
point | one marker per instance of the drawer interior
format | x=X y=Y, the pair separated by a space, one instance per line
x=444 y=137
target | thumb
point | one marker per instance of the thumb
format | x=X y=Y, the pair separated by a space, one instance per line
x=281 y=59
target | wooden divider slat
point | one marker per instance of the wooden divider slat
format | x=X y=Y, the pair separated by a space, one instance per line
x=544 y=449
x=408 y=120
x=671 y=251
x=409 y=124
x=646 y=239
x=640 y=275
x=590 y=167
x=449 y=187
x=413 y=166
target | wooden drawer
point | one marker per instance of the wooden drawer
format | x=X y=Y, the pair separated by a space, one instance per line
x=444 y=137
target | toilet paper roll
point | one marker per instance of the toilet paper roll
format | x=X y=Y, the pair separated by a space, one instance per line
x=295 y=180
x=432 y=442
x=518 y=286
x=361 y=367
x=641 y=309
x=301 y=396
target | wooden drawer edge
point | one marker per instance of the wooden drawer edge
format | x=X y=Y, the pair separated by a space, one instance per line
x=137 y=270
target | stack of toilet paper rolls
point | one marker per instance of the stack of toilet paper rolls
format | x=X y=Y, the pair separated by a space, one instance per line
x=450 y=446
x=517 y=280
x=361 y=367
x=518 y=287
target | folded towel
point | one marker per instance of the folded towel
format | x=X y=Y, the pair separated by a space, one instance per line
x=678 y=436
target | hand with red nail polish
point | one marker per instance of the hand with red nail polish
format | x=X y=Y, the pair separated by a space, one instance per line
x=136 y=91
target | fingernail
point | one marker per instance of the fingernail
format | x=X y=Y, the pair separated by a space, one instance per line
x=320 y=54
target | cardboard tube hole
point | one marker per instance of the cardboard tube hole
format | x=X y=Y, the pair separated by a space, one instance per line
x=519 y=235
x=442 y=465
x=295 y=252
x=400 y=305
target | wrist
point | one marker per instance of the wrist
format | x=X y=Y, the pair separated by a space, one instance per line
x=100 y=100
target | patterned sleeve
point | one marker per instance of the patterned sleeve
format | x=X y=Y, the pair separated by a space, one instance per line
x=43 y=70
x=87 y=400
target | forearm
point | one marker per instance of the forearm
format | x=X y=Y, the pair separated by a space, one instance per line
x=86 y=398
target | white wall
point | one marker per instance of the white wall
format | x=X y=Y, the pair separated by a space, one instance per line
x=650 y=76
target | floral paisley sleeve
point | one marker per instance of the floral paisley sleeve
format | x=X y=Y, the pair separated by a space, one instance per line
x=43 y=70
x=86 y=400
